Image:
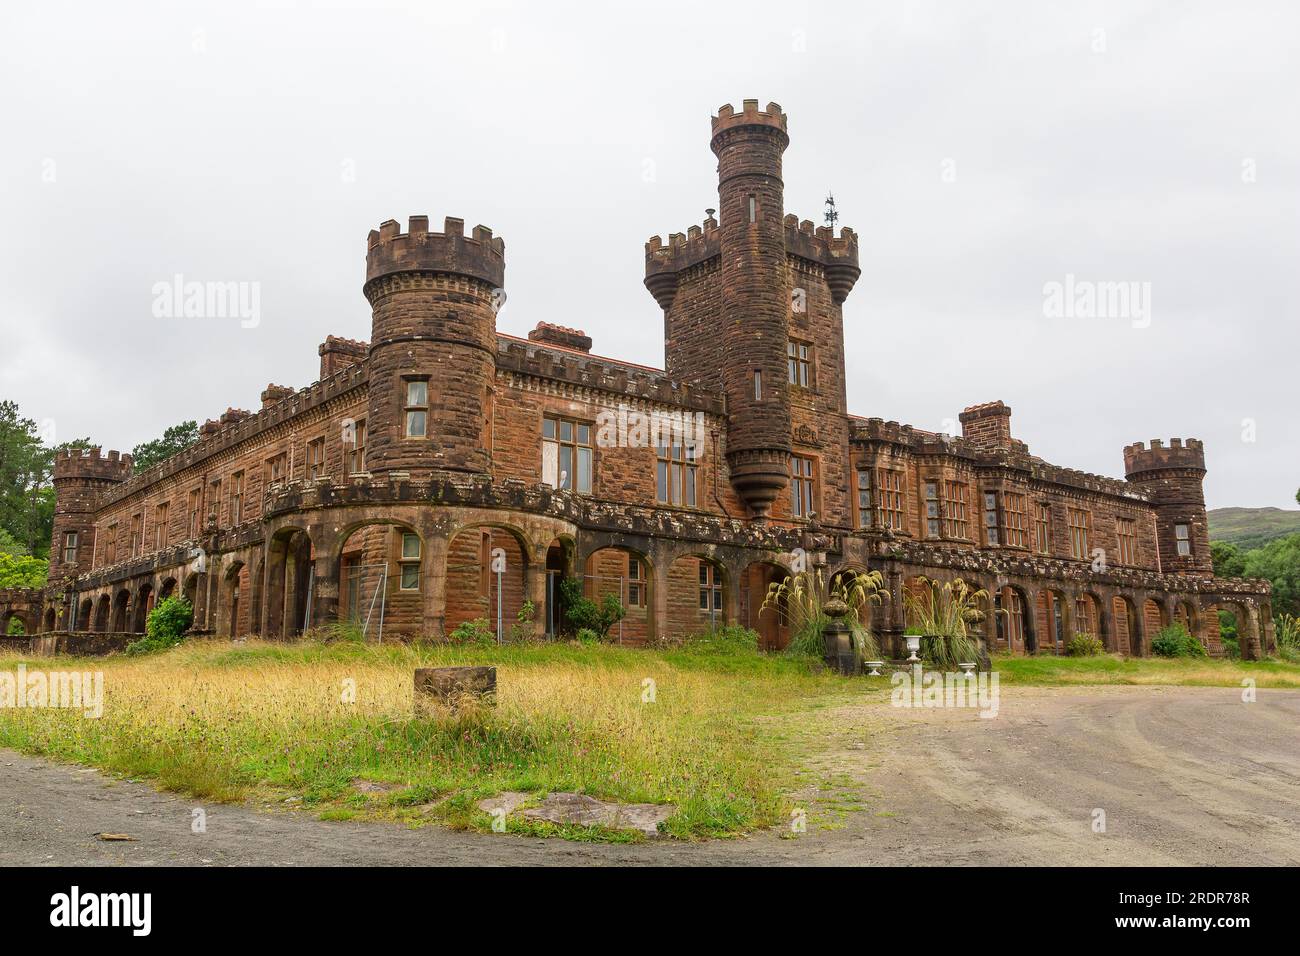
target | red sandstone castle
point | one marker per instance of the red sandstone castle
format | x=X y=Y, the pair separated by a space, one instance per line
x=386 y=489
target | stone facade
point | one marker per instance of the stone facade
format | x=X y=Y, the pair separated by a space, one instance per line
x=444 y=471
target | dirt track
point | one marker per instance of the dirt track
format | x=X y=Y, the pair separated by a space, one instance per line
x=1184 y=775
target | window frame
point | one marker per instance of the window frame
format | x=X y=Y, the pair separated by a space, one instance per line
x=891 y=502
x=676 y=474
x=803 y=487
x=411 y=407
x=1080 y=532
x=315 y=457
x=407 y=562
x=1183 y=539
x=799 y=363
x=70 y=541
x=1126 y=540
x=576 y=448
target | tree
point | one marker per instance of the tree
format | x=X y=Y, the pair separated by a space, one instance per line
x=174 y=439
x=21 y=571
x=1279 y=563
x=1228 y=560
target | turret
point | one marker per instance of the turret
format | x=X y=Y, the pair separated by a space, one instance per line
x=433 y=344
x=80 y=479
x=1173 y=477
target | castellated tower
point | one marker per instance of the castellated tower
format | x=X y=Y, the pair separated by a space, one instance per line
x=80 y=479
x=730 y=316
x=1173 y=476
x=433 y=345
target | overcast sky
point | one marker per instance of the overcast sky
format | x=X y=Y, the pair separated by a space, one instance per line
x=981 y=151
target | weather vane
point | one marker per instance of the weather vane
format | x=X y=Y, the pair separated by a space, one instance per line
x=832 y=217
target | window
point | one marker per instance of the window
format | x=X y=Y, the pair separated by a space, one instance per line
x=315 y=458
x=275 y=469
x=417 y=407
x=192 y=511
x=636 y=582
x=1079 y=521
x=236 y=498
x=799 y=360
x=801 y=486
x=753 y=209
x=70 y=548
x=566 y=454
x=865 y=506
x=410 y=563
x=354 y=454
x=932 y=516
x=110 y=547
x=1183 y=539
x=160 y=526
x=675 y=477
x=956 y=523
x=484 y=562
x=137 y=534
x=889 y=499
x=214 y=500
x=710 y=588
x=1126 y=532
x=1015 y=527
x=1043 y=528
x=991 y=518
x=758 y=384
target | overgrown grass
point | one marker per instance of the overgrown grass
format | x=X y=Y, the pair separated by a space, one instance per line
x=1109 y=669
x=271 y=721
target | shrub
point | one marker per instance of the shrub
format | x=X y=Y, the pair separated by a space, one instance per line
x=799 y=599
x=582 y=613
x=477 y=631
x=1232 y=647
x=524 y=627
x=943 y=613
x=587 y=636
x=1175 y=641
x=165 y=627
x=1084 y=645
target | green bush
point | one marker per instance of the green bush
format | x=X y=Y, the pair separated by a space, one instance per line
x=582 y=613
x=1084 y=645
x=587 y=636
x=165 y=626
x=1232 y=647
x=1175 y=641
x=477 y=631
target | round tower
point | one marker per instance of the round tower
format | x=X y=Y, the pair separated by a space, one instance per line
x=1173 y=477
x=81 y=477
x=755 y=299
x=433 y=345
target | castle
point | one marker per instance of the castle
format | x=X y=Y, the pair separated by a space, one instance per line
x=444 y=471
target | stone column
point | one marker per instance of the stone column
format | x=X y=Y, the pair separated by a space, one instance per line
x=436 y=546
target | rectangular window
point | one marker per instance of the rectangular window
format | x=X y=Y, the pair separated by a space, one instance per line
x=801 y=486
x=417 y=407
x=1015 y=526
x=192 y=514
x=1080 y=522
x=1126 y=532
x=410 y=564
x=354 y=452
x=70 y=548
x=484 y=562
x=865 y=506
x=1183 y=539
x=933 y=519
x=635 y=582
x=137 y=534
x=991 y=529
x=710 y=588
x=758 y=385
x=799 y=362
x=214 y=500
x=956 y=522
x=236 y=498
x=110 y=548
x=753 y=209
x=160 y=526
x=566 y=454
x=889 y=499
x=675 y=475
x=275 y=469
x=1043 y=528
x=315 y=459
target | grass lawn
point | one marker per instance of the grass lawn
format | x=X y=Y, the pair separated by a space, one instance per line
x=1049 y=670
x=269 y=722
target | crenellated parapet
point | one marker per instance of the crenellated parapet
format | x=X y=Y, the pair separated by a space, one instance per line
x=1141 y=461
x=479 y=255
x=837 y=255
x=664 y=262
x=91 y=463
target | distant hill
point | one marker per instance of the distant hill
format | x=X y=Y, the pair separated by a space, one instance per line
x=1252 y=527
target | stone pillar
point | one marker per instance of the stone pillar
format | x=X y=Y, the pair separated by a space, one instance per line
x=325 y=590
x=657 y=625
x=436 y=546
x=1250 y=642
x=535 y=591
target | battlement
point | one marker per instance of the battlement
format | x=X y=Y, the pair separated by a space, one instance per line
x=561 y=335
x=90 y=463
x=1179 y=454
x=480 y=255
x=275 y=393
x=682 y=251
x=749 y=115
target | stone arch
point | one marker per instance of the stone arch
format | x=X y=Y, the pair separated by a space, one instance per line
x=288 y=585
x=121 y=605
x=1128 y=626
x=167 y=589
x=233 y=617
x=1155 y=618
x=1052 y=619
x=13 y=615
x=382 y=577
x=628 y=573
x=1014 y=628
x=558 y=564
x=103 y=612
x=1185 y=613
x=51 y=619
x=699 y=593
x=85 y=615
x=770 y=623
x=141 y=607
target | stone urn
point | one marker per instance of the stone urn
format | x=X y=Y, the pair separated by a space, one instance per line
x=838 y=647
